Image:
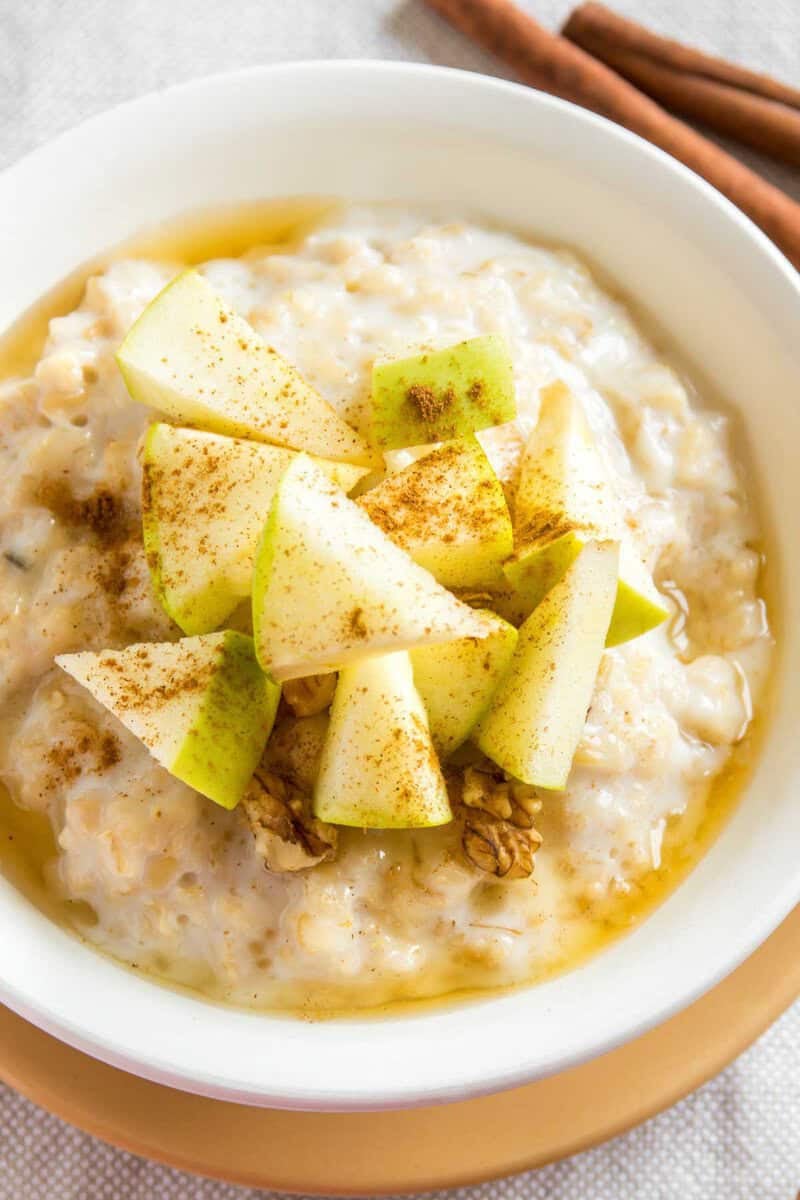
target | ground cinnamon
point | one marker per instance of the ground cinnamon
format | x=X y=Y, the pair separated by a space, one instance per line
x=550 y=62
x=752 y=108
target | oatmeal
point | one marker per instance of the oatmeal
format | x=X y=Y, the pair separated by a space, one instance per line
x=266 y=904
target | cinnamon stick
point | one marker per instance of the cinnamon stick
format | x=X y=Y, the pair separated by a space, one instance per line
x=752 y=108
x=555 y=65
x=601 y=24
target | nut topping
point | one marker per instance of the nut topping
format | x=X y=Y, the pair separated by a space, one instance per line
x=497 y=813
x=309 y=695
x=288 y=836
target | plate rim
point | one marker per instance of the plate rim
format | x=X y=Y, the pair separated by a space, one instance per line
x=696 y=1068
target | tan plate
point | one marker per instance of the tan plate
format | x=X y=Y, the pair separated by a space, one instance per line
x=415 y=1149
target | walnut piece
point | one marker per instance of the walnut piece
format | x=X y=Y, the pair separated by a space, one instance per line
x=309 y=695
x=497 y=814
x=288 y=836
x=294 y=749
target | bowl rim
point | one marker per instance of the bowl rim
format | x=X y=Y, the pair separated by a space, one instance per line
x=305 y=1092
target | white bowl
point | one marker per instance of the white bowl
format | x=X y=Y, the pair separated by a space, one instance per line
x=720 y=291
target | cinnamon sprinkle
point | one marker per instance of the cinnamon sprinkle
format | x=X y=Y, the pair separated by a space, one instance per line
x=432 y=498
x=102 y=513
x=68 y=759
x=429 y=406
x=356 y=624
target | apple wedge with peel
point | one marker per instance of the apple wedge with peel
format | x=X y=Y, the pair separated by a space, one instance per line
x=448 y=511
x=330 y=587
x=533 y=571
x=457 y=680
x=192 y=357
x=379 y=769
x=443 y=394
x=204 y=501
x=201 y=706
x=537 y=714
x=565 y=499
x=639 y=607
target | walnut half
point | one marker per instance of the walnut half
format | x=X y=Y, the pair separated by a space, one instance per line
x=309 y=695
x=288 y=836
x=497 y=815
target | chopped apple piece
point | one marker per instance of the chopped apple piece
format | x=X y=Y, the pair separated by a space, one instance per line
x=192 y=357
x=458 y=679
x=638 y=608
x=201 y=706
x=204 y=501
x=379 y=769
x=564 y=500
x=330 y=588
x=537 y=715
x=448 y=511
x=443 y=394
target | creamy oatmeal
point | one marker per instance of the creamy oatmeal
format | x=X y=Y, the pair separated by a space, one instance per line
x=160 y=877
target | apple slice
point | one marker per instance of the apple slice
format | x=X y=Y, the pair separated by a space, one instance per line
x=443 y=394
x=194 y=358
x=638 y=608
x=379 y=769
x=564 y=499
x=458 y=679
x=330 y=587
x=537 y=715
x=204 y=501
x=448 y=511
x=201 y=706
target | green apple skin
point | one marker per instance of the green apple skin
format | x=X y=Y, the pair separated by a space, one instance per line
x=443 y=394
x=639 y=607
x=193 y=358
x=201 y=706
x=204 y=498
x=448 y=511
x=532 y=573
x=379 y=769
x=565 y=499
x=534 y=570
x=537 y=715
x=227 y=739
x=457 y=680
x=330 y=588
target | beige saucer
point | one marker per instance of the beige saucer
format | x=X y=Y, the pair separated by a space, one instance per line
x=415 y=1149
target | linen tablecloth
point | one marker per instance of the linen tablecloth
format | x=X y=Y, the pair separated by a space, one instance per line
x=738 y=1138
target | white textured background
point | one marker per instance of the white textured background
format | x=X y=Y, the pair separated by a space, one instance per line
x=738 y=1138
